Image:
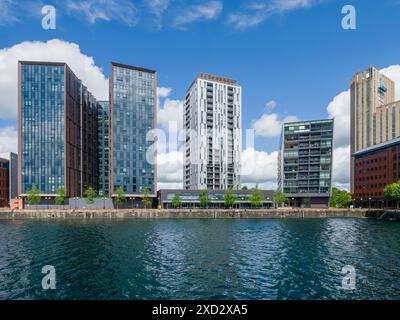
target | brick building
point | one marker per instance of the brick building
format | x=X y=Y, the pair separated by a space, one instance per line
x=374 y=168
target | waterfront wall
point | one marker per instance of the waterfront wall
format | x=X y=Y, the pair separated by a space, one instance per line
x=54 y=214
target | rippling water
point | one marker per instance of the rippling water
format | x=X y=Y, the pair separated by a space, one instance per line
x=200 y=259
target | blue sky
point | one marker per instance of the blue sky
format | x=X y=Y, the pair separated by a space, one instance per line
x=293 y=52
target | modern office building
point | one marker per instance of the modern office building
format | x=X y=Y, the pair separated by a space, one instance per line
x=375 y=115
x=57 y=130
x=4 y=182
x=213 y=126
x=374 y=168
x=305 y=162
x=133 y=109
x=104 y=148
x=191 y=198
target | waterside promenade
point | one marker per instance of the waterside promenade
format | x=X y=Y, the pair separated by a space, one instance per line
x=87 y=214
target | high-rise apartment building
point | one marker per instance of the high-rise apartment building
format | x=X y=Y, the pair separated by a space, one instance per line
x=133 y=109
x=213 y=126
x=375 y=115
x=104 y=148
x=305 y=162
x=57 y=130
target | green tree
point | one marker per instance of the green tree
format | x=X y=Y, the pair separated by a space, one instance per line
x=61 y=196
x=340 y=198
x=245 y=188
x=256 y=197
x=90 y=195
x=177 y=201
x=229 y=198
x=392 y=193
x=147 y=201
x=33 y=197
x=280 y=198
x=120 y=197
x=205 y=200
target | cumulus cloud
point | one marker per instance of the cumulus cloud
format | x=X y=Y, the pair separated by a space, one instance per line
x=341 y=167
x=256 y=13
x=259 y=167
x=8 y=141
x=92 y=10
x=270 y=126
x=55 y=51
x=170 y=112
x=339 y=109
x=170 y=169
x=202 y=12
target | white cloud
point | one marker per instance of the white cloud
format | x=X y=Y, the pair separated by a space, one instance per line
x=55 y=51
x=259 y=167
x=256 y=13
x=8 y=140
x=170 y=112
x=163 y=92
x=107 y=10
x=341 y=167
x=270 y=126
x=202 y=12
x=393 y=72
x=170 y=168
x=339 y=109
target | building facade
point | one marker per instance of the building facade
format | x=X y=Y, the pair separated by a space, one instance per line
x=374 y=168
x=375 y=115
x=213 y=129
x=133 y=109
x=4 y=182
x=305 y=162
x=191 y=198
x=57 y=130
x=104 y=148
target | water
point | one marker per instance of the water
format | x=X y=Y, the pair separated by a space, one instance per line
x=200 y=259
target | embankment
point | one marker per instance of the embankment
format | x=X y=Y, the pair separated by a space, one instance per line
x=7 y=214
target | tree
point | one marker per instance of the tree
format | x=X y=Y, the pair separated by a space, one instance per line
x=90 y=195
x=177 y=201
x=280 y=198
x=119 y=196
x=256 y=197
x=229 y=198
x=147 y=201
x=205 y=200
x=340 y=198
x=392 y=193
x=33 y=197
x=61 y=196
x=245 y=188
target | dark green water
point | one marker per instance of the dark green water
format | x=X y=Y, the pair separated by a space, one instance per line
x=200 y=259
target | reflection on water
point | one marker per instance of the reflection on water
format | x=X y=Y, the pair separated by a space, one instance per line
x=200 y=259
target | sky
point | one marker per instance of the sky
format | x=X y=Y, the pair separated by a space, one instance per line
x=292 y=58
